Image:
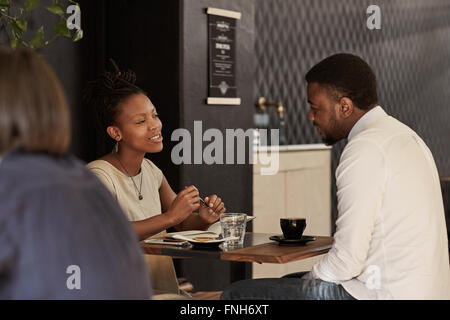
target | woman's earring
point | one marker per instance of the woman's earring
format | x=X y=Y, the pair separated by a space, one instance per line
x=116 y=148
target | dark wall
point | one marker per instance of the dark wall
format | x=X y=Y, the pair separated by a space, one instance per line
x=223 y=178
x=410 y=55
x=144 y=36
x=233 y=183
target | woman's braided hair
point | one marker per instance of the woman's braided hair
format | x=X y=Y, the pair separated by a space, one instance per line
x=105 y=94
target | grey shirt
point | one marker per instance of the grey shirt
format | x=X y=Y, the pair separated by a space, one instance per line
x=62 y=234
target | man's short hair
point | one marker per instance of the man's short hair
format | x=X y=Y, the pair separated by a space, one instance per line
x=346 y=75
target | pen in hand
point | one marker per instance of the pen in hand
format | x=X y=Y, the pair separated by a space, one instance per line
x=201 y=200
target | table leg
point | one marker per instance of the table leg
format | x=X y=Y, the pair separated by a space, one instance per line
x=240 y=271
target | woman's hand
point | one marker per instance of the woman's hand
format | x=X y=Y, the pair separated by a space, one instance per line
x=187 y=201
x=215 y=207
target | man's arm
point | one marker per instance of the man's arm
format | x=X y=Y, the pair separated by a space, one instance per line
x=360 y=178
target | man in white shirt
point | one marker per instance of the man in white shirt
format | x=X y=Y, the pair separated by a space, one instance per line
x=391 y=238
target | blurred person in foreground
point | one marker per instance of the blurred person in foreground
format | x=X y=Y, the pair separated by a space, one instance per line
x=391 y=239
x=62 y=234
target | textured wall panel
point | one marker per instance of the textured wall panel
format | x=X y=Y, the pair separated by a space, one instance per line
x=231 y=182
x=410 y=56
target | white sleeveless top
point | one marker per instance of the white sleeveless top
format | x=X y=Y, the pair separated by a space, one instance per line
x=122 y=187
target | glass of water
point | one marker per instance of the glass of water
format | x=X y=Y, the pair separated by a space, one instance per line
x=233 y=225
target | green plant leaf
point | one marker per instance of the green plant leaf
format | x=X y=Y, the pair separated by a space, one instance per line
x=78 y=35
x=22 y=24
x=5 y=3
x=17 y=31
x=57 y=9
x=37 y=40
x=30 y=5
x=15 y=43
x=61 y=29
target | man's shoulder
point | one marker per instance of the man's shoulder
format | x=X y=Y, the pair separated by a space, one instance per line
x=382 y=131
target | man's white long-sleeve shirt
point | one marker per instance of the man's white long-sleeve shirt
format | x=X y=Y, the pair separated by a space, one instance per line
x=391 y=239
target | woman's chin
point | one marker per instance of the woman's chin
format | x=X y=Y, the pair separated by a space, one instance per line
x=156 y=148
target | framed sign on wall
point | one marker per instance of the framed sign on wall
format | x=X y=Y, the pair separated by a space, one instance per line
x=222 y=57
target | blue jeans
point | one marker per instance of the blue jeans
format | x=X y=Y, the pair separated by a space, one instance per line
x=290 y=287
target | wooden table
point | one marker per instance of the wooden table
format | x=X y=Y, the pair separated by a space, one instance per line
x=257 y=248
x=273 y=253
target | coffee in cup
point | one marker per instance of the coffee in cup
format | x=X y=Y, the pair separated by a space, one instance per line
x=292 y=227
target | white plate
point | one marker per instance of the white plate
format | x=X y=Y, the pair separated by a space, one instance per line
x=214 y=230
x=191 y=239
x=206 y=233
x=177 y=244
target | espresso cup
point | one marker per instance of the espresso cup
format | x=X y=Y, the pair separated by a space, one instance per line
x=292 y=227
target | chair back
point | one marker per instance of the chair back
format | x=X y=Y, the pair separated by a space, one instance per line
x=162 y=274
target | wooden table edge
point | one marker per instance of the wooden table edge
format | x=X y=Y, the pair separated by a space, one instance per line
x=239 y=255
x=152 y=248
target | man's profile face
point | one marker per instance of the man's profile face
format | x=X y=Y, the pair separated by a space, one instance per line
x=323 y=113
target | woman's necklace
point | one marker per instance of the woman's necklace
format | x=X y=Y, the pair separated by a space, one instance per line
x=138 y=191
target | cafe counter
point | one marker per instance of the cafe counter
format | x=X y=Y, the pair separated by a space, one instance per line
x=300 y=187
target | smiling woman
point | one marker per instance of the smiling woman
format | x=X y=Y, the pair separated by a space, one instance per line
x=131 y=122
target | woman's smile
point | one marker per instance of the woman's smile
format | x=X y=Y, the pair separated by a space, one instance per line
x=156 y=139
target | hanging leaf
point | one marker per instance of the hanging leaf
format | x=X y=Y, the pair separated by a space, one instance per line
x=30 y=5
x=18 y=24
x=5 y=3
x=61 y=29
x=15 y=43
x=57 y=9
x=37 y=40
x=22 y=24
x=17 y=31
x=78 y=35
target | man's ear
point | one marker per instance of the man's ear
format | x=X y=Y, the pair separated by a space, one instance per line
x=114 y=132
x=346 y=107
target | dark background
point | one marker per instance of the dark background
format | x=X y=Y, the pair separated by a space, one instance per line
x=165 y=43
